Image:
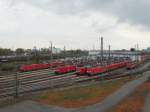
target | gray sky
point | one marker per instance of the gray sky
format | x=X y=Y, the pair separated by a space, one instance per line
x=74 y=23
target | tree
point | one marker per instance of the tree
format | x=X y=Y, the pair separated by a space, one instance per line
x=5 y=52
x=132 y=49
x=20 y=51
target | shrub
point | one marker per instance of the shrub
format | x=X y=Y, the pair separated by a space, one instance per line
x=7 y=67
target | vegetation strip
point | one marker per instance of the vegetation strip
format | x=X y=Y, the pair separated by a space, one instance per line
x=78 y=97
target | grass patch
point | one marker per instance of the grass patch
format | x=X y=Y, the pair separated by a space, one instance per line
x=7 y=102
x=81 y=96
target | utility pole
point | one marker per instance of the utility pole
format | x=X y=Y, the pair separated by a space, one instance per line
x=64 y=53
x=36 y=54
x=57 y=54
x=109 y=54
x=101 y=51
x=51 y=48
x=137 y=52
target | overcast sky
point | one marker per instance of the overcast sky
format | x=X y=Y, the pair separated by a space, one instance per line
x=74 y=23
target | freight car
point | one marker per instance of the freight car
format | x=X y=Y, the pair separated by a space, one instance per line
x=98 y=70
x=65 y=69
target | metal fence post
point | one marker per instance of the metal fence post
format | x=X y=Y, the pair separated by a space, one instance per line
x=16 y=86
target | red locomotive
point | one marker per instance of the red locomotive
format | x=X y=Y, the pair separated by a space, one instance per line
x=65 y=69
x=82 y=71
x=32 y=67
x=131 y=66
x=98 y=70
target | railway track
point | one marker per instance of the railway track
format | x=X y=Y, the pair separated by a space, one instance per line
x=37 y=82
x=29 y=80
x=25 y=74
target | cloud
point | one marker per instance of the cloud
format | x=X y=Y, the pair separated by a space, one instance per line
x=74 y=23
x=133 y=11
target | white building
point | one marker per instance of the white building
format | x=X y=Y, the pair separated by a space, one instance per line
x=132 y=55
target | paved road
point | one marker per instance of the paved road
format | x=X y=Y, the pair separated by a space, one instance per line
x=103 y=106
x=115 y=98
x=30 y=106
x=147 y=104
